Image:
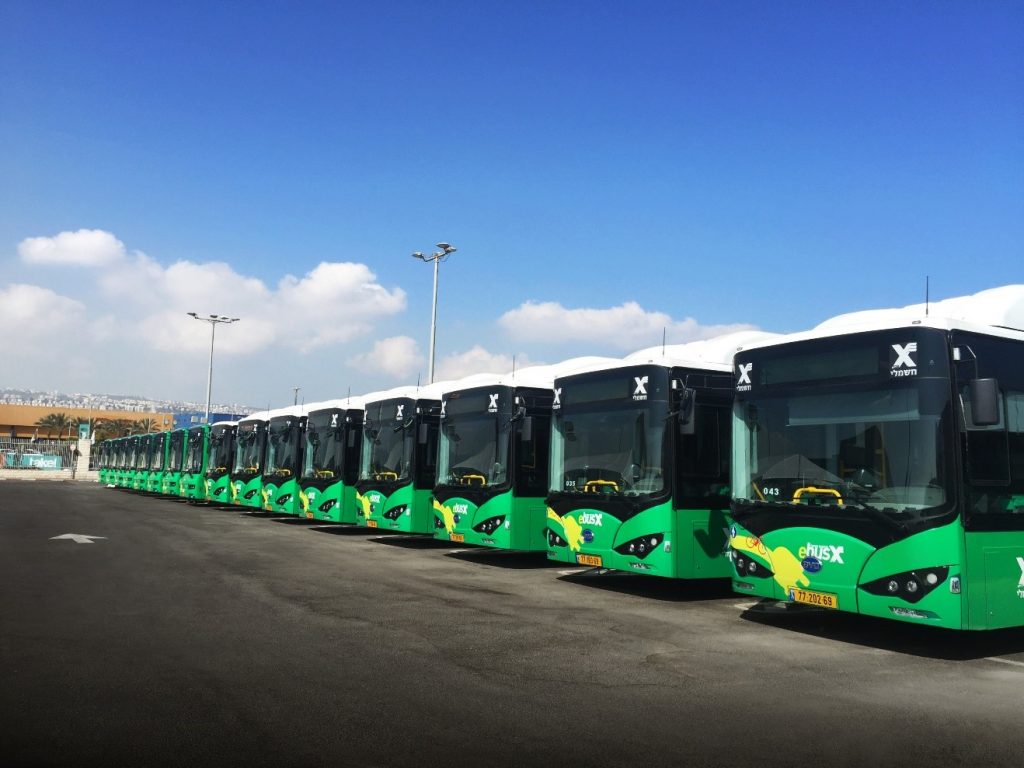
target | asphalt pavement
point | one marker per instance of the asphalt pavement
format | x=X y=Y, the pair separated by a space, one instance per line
x=200 y=636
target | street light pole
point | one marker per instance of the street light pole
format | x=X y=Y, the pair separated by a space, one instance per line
x=437 y=257
x=212 y=320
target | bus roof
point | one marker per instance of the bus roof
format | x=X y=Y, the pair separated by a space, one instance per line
x=995 y=312
x=353 y=403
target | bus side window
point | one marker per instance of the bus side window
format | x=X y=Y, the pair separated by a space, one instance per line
x=532 y=458
x=988 y=453
x=703 y=461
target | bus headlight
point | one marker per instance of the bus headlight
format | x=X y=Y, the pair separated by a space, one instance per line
x=251 y=493
x=910 y=586
x=283 y=499
x=745 y=565
x=490 y=525
x=641 y=546
x=554 y=540
x=328 y=505
x=395 y=512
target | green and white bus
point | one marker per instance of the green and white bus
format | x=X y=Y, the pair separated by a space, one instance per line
x=220 y=460
x=492 y=475
x=330 y=465
x=285 y=441
x=170 y=481
x=157 y=463
x=398 y=463
x=126 y=462
x=639 y=462
x=193 y=472
x=878 y=464
x=140 y=462
x=250 y=459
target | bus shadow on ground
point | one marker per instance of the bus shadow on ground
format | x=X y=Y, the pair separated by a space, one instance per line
x=503 y=558
x=652 y=587
x=299 y=521
x=887 y=635
x=341 y=529
x=409 y=541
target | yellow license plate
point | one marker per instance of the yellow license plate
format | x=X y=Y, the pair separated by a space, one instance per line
x=594 y=560
x=819 y=599
x=457 y=537
x=371 y=523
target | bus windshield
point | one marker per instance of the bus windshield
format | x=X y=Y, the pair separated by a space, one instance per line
x=282 y=448
x=174 y=455
x=474 y=449
x=248 y=451
x=156 y=453
x=194 y=455
x=880 y=450
x=387 y=450
x=611 y=447
x=323 y=447
x=221 y=446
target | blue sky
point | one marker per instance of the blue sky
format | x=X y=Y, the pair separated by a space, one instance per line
x=730 y=163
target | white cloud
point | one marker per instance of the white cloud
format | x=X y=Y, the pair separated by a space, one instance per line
x=477 y=360
x=398 y=356
x=129 y=319
x=626 y=327
x=84 y=248
x=36 y=312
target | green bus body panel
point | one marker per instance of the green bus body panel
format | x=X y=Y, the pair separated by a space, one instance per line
x=170 y=484
x=217 y=490
x=994 y=579
x=418 y=516
x=691 y=545
x=193 y=486
x=844 y=563
x=522 y=529
x=247 y=493
x=281 y=495
x=334 y=503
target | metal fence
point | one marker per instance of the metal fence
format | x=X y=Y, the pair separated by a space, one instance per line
x=41 y=455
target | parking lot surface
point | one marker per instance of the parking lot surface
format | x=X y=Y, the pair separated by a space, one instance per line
x=191 y=635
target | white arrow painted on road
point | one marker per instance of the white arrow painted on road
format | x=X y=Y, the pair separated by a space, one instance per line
x=78 y=538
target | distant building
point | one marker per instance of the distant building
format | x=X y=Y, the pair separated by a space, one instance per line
x=186 y=420
x=19 y=421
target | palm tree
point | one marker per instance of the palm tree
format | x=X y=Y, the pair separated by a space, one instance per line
x=55 y=422
x=147 y=425
x=107 y=428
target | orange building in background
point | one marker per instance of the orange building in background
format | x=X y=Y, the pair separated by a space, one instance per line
x=20 y=420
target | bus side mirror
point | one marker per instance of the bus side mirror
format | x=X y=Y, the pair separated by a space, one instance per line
x=984 y=394
x=686 y=403
x=422 y=435
x=526 y=431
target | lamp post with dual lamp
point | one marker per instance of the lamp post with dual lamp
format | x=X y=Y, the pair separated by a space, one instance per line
x=445 y=250
x=213 y=320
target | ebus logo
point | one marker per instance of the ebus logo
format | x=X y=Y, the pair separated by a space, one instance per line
x=903 y=363
x=826 y=553
x=558 y=399
x=1020 y=584
x=591 y=518
x=492 y=406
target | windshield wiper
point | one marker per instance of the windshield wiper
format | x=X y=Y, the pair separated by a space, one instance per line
x=878 y=515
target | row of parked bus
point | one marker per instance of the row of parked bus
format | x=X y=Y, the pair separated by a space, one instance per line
x=874 y=464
